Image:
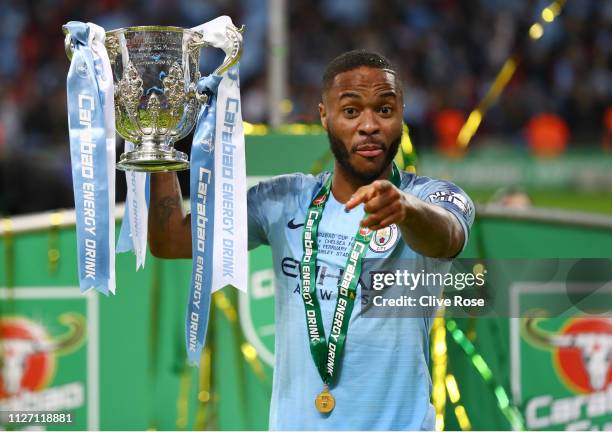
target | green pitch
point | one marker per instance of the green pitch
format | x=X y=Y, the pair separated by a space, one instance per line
x=563 y=199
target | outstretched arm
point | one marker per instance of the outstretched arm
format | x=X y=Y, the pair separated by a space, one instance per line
x=169 y=226
x=428 y=229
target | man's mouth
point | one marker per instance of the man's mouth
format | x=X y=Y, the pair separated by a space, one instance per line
x=369 y=150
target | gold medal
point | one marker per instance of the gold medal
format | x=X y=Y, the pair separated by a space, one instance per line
x=325 y=402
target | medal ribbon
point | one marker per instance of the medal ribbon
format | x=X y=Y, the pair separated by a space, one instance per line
x=327 y=354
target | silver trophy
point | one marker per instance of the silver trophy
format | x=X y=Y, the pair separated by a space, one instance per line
x=155 y=72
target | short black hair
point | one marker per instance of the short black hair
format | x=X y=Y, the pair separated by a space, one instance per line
x=352 y=60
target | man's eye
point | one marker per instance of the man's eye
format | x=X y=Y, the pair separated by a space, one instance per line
x=350 y=111
x=386 y=110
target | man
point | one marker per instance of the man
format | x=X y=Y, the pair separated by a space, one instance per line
x=378 y=378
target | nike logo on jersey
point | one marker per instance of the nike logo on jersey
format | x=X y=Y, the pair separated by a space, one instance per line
x=293 y=225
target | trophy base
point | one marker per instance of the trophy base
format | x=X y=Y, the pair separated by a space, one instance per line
x=153 y=160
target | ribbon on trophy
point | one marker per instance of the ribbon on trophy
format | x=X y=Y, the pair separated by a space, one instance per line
x=218 y=173
x=91 y=121
x=218 y=191
x=133 y=233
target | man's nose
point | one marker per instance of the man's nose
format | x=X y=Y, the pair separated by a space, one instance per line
x=369 y=123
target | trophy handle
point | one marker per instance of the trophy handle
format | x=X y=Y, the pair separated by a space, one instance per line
x=232 y=54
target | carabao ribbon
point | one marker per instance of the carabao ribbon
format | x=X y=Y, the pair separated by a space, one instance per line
x=230 y=245
x=133 y=234
x=230 y=235
x=202 y=221
x=218 y=193
x=91 y=121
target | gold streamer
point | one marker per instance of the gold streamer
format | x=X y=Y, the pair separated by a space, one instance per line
x=53 y=251
x=406 y=156
x=182 y=402
x=260 y=129
x=536 y=31
x=250 y=355
x=439 y=356
x=205 y=392
x=454 y=395
x=254 y=129
x=248 y=351
x=475 y=118
x=225 y=305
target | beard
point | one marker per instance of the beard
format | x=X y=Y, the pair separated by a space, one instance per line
x=343 y=157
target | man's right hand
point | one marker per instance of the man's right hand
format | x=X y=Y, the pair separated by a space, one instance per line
x=169 y=226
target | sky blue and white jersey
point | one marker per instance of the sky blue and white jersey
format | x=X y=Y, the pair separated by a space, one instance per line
x=384 y=380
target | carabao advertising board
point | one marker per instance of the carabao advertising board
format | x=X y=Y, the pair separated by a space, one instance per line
x=49 y=367
x=561 y=372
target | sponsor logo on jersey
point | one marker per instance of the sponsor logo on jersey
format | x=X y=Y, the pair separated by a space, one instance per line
x=292 y=225
x=451 y=197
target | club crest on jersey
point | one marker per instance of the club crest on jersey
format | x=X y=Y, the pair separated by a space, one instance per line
x=384 y=239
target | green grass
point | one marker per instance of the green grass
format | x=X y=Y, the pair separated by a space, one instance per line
x=568 y=200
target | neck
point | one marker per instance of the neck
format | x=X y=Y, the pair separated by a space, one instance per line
x=345 y=185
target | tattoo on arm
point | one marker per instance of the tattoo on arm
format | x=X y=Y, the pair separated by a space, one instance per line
x=165 y=207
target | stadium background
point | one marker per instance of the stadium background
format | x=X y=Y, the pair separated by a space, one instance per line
x=546 y=139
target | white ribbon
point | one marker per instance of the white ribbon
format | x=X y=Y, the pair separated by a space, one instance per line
x=136 y=213
x=230 y=234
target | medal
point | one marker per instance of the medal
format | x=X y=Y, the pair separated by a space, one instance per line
x=327 y=354
x=325 y=402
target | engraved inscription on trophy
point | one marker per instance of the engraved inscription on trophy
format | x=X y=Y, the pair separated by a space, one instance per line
x=155 y=49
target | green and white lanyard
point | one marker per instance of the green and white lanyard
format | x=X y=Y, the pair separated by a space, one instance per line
x=327 y=355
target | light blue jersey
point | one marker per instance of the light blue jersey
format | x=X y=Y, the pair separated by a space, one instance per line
x=384 y=381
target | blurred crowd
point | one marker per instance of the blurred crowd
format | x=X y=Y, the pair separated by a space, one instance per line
x=447 y=51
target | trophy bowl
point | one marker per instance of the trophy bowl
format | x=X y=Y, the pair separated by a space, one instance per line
x=155 y=73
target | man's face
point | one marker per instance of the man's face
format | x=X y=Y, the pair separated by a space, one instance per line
x=362 y=113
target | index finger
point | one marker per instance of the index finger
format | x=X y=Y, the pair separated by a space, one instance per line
x=365 y=193
x=361 y=196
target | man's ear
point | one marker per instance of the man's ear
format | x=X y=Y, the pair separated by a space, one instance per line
x=323 y=115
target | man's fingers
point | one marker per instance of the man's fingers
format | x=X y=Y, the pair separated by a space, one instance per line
x=362 y=195
x=385 y=223
x=388 y=212
x=366 y=193
x=380 y=201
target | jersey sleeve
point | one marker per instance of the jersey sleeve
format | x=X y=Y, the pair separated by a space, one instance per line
x=449 y=196
x=256 y=222
x=267 y=203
